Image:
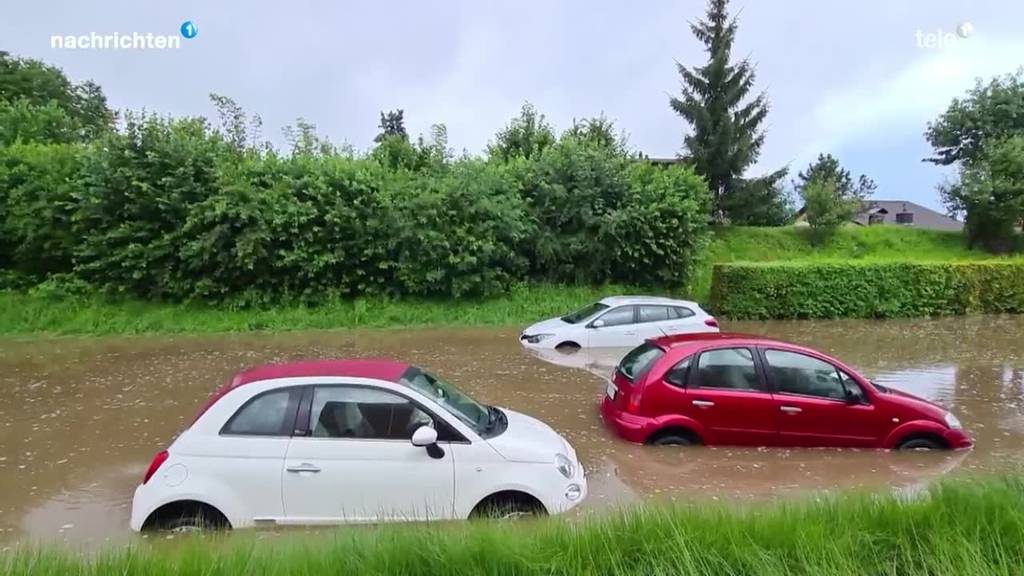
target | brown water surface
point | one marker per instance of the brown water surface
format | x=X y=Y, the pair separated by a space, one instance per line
x=80 y=418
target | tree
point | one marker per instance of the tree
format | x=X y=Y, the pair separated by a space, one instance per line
x=992 y=111
x=526 y=136
x=28 y=87
x=827 y=167
x=990 y=193
x=726 y=135
x=392 y=123
x=599 y=131
x=829 y=194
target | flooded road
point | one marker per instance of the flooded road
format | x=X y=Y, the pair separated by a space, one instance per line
x=82 y=417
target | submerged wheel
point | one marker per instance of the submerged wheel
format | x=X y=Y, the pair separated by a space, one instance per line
x=183 y=517
x=568 y=348
x=674 y=438
x=508 y=506
x=921 y=444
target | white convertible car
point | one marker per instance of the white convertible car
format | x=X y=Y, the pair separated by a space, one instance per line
x=619 y=321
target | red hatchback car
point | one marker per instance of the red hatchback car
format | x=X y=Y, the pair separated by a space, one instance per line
x=747 y=390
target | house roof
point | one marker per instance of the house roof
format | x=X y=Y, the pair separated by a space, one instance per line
x=923 y=217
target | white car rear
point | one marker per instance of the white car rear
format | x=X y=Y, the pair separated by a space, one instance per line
x=619 y=321
x=328 y=444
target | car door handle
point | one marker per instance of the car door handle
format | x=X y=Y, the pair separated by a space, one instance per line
x=703 y=403
x=790 y=409
x=304 y=467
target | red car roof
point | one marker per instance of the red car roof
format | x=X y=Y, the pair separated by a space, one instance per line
x=678 y=340
x=378 y=369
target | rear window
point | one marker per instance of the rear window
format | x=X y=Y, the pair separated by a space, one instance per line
x=639 y=360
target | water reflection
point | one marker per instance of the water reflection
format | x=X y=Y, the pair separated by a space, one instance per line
x=82 y=417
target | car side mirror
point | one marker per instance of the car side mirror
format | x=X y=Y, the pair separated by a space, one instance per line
x=851 y=398
x=424 y=436
x=597 y=323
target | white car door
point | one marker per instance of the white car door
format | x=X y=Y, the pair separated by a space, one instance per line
x=683 y=320
x=613 y=328
x=356 y=462
x=654 y=321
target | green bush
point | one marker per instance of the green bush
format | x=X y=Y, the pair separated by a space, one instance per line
x=866 y=290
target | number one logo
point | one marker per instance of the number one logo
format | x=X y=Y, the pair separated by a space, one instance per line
x=188 y=29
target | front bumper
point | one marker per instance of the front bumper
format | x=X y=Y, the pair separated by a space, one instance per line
x=957 y=439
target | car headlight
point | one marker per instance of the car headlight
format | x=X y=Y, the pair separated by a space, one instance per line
x=565 y=466
x=952 y=421
x=538 y=338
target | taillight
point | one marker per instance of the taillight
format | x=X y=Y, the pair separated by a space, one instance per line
x=711 y=322
x=158 y=461
x=633 y=402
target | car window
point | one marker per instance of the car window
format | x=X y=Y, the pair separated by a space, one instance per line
x=268 y=414
x=795 y=373
x=639 y=360
x=359 y=412
x=730 y=368
x=618 y=316
x=653 y=313
x=676 y=375
x=584 y=313
x=851 y=385
x=678 y=312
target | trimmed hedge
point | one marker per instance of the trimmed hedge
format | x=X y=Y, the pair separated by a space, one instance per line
x=866 y=290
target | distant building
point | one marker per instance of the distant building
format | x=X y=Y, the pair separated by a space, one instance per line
x=899 y=212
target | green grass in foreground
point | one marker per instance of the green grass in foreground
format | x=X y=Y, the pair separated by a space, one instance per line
x=22 y=314
x=961 y=528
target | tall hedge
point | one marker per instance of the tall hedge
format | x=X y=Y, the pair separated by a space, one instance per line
x=172 y=209
x=866 y=290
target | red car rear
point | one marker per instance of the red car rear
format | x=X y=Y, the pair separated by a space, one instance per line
x=747 y=390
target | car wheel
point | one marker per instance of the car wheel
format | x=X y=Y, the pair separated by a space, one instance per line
x=920 y=445
x=568 y=348
x=672 y=440
x=189 y=523
x=508 y=510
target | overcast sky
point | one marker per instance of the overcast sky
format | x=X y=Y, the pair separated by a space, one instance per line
x=850 y=78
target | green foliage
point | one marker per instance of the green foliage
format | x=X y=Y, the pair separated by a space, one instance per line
x=827 y=168
x=137 y=190
x=990 y=111
x=966 y=528
x=173 y=209
x=39 y=103
x=37 y=187
x=866 y=290
x=726 y=134
x=526 y=136
x=991 y=194
x=660 y=229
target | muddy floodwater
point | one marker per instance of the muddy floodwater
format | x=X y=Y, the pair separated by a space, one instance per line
x=80 y=418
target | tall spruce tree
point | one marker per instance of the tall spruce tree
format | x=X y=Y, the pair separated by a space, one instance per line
x=726 y=135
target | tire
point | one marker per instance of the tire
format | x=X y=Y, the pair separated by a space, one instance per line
x=508 y=510
x=920 y=445
x=568 y=348
x=673 y=440
x=192 y=521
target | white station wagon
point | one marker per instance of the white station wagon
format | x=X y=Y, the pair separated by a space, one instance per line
x=619 y=321
x=331 y=441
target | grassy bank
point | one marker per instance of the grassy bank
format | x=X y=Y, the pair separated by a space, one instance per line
x=852 y=243
x=22 y=314
x=961 y=528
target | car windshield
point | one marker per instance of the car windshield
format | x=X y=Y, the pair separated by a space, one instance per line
x=639 y=360
x=584 y=313
x=477 y=416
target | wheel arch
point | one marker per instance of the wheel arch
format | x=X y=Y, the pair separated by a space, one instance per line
x=679 y=425
x=184 y=506
x=915 y=428
x=514 y=494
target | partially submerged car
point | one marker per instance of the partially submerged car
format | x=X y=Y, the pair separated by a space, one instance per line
x=619 y=321
x=749 y=390
x=333 y=441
